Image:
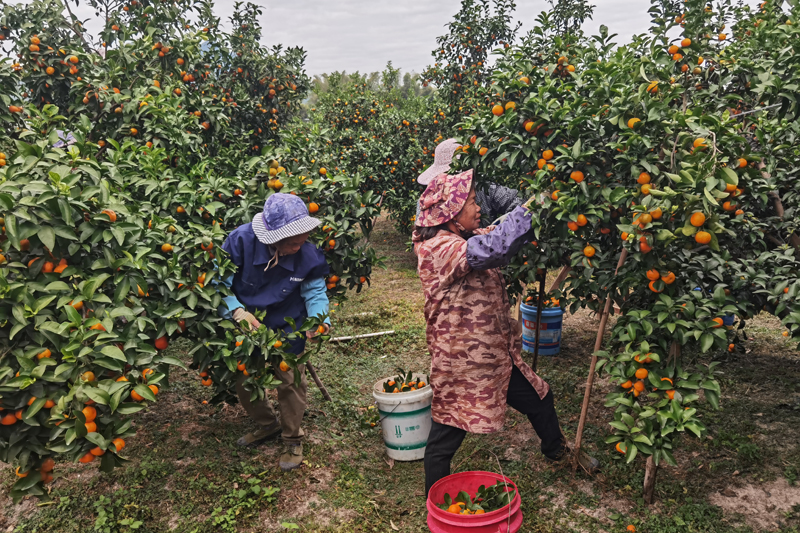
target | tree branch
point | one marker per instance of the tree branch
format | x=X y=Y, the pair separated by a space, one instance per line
x=74 y=27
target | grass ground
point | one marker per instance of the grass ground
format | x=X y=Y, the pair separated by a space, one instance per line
x=187 y=474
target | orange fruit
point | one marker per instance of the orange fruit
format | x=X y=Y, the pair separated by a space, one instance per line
x=497 y=110
x=669 y=279
x=718 y=321
x=638 y=386
x=576 y=176
x=632 y=122
x=670 y=394
x=153 y=388
x=653 y=274
x=44 y=355
x=313 y=208
x=136 y=396
x=240 y=367
x=8 y=419
x=572 y=225
x=589 y=250
x=278 y=344
x=91 y=427
x=207 y=382
x=653 y=287
x=166 y=247
x=699 y=143
x=646 y=188
x=643 y=178
x=728 y=206
x=685 y=43
x=88 y=458
x=742 y=162
x=547 y=155
x=455 y=509
x=97 y=451
x=656 y=213
x=554 y=195
x=112 y=216
x=697 y=219
x=673 y=49
x=87 y=376
x=20 y=474
x=90 y=413
x=161 y=343
x=582 y=221
x=703 y=237
x=627 y=385
x=642 y=373
x=48 y=465
x=618 y=447
x=284 y=366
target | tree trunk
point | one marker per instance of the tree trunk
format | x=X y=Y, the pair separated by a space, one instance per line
x=650 y=472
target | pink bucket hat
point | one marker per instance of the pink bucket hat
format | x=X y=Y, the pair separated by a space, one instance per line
x=442 y=158
x=444 y=198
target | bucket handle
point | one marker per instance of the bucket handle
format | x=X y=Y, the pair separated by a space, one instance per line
x=508 y=520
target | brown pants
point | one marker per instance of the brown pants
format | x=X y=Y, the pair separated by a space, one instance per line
x=291 y=401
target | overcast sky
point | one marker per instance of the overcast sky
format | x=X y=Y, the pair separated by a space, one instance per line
x=363 y=35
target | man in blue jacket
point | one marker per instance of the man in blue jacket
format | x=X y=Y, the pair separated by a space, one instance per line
x=281 y=273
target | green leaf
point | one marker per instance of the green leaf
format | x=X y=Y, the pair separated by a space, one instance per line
x=47 y=236
x=114 y=353
x=706 y=341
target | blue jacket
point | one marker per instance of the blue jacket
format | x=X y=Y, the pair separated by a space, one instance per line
x=295 y=287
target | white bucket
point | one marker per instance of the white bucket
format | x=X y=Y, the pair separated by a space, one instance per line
x=405 y=420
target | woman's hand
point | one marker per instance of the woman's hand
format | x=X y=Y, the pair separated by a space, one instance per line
x=325 y=331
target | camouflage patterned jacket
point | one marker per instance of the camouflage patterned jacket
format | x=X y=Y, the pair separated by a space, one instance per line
x=471 y=335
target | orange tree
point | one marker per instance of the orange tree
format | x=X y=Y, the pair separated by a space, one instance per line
x=461 y=71
x=383 y=135
x=110 y=246
x=639 y=147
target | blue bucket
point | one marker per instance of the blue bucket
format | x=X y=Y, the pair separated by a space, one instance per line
x=549 y=332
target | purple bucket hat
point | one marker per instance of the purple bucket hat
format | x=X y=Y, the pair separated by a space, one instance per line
x=284 y=215
x=444 y=198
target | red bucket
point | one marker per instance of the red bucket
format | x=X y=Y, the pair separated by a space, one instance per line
x=505 y=520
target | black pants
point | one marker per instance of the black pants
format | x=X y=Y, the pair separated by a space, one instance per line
x=444 y=441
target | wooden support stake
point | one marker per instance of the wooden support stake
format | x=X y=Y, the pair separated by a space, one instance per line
x=561 y=277
x=540 y=304
x=590 y=380
x=320 y=386
x=650 y=472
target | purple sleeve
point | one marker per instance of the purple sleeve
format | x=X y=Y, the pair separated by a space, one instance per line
x=496 y=249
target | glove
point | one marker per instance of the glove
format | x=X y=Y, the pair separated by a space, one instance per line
x=535 y=199
x=240 y=314
x=314 y=333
